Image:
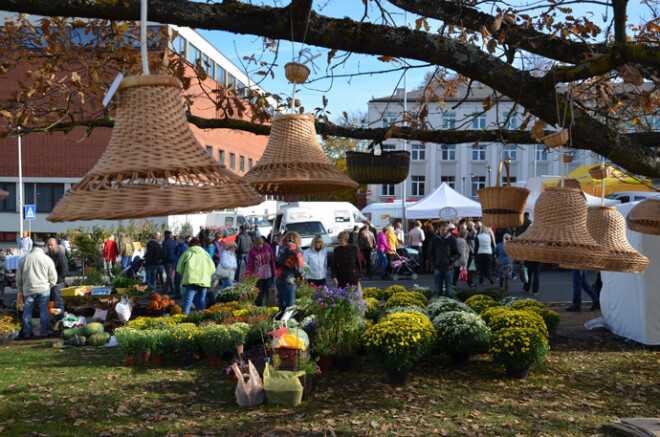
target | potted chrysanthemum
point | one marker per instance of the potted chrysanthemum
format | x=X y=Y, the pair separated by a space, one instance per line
x=461 y=334
x=519 y=349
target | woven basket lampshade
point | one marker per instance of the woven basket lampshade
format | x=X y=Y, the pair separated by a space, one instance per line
x=503 y=207
x=389 y=167
x=294 y=162
x=153 y=165
x=645 y=217
x=599 y=173
x=3 y=194
x=556 y=139
x=558 y=233
x=608 y=227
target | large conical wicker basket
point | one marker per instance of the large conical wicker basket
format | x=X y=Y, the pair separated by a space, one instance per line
x=645 y=217
x=153 y=165
x=559 y=231
x=608 y=227
x=389 y=167
x=503 y=207
x=3 y=194
x=294 y=162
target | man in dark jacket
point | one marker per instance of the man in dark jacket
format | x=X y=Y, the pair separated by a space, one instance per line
x=56 y=253
x=443 y=253
x=169 y=257
x=243 y=246
x=218 y=248
x=353 y=236
x=153 y=258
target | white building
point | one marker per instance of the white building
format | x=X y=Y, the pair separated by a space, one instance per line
x=465 y=167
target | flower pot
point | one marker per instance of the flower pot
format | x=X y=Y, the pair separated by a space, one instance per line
x=516 y=373
x=145 y=356
x=459 y=360
x=129 y=360
x=344 y=364
x=326 y=363
x=158 y=360
x=398 y=377
x=214 y=361
x=187 y=360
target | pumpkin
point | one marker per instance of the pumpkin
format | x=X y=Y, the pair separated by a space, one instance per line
x=153 y=296
x=153 y=305
x=165 y=302
x=176 y=309
x=91 y=329
x=158 y=298
x=77 y=340
x=98 y=339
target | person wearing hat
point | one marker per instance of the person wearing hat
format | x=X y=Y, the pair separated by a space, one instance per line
x=453 y=230
x=35 y=276
x=25 y=245
x=227 y=267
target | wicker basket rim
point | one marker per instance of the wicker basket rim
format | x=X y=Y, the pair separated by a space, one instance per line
x=150 y=80
x=294 y=117
x=296 y=64
x=558 y=188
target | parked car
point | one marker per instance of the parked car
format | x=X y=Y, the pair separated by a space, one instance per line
x=228 y=234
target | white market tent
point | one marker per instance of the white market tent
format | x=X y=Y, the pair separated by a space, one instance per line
x=430 y=206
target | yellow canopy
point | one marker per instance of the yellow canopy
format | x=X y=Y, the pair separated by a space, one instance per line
x=618 y=182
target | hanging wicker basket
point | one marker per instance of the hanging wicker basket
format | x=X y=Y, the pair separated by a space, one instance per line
x=559 y=232
x=567 y=158
x=600 y=173
x=388 y=168
x=645 y=217
x=296 y=72
x=503 y=207
x=556 y=139
x=608 y=227
x=570 y=183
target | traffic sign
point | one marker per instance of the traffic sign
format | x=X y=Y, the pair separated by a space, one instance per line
x=368 y=192
x=30 y=212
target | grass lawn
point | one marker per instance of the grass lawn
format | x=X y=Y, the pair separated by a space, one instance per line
x=584 y=385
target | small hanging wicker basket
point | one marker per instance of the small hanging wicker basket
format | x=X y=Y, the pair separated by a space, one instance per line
x=599 y=172
x=387 y=168
x=556 y=139
x=503 y=207
x=296 y=72
x=645 y=217
x=567 y=158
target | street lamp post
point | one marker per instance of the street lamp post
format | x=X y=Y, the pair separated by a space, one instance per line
x=472 y=175
x=464 y=185
x=489 y=168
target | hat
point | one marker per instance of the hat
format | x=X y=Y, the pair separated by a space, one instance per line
x=25 y=233
x=230 y=245
x=40 y=243
x=452 y=226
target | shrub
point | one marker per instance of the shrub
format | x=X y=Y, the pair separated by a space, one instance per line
x=406 y=299
x=373 y=292
x=392 y=290
x=480 y=302
x=528 y=303
x=443 y=304
x=509 y=300
x=407 y=309
x=373 y=308
x=461 y=333
x=491 y=312
x=519 y=348
x=518 y=319
x=496 y=293
x=426 y=291
x=550 y=318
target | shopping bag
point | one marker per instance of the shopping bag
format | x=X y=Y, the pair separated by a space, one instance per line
x=524 y=275
x=473 y=266
x=124 y=309
x=463 y=275
x=251 y=392
x=282 y=387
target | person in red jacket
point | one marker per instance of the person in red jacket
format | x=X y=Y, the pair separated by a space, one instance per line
x=110 y=252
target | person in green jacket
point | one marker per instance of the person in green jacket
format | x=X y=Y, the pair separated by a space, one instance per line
x=196 y=268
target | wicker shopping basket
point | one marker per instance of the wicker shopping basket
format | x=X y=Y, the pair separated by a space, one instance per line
x=296 y=72
x=556 y=139
x=645 y=217
x=600 y=173
x=503 y=207
x=387 y=168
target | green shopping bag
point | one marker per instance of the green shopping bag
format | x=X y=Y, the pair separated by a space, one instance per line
x=472 y=267
x=282 y=386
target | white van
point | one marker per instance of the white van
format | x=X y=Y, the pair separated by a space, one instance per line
x=216 y=220
x=262 y=222
x=335 y=216
x=305 y=222
x=383 y=214
x=633 y=196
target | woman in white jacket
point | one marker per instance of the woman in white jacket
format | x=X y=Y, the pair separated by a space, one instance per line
x=227 y=266
x=317 y=260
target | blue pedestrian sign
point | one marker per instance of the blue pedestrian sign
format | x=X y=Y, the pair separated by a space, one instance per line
x=30 y=212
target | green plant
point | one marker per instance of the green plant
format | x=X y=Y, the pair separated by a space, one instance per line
x=509 y=300
x=195 y=317
x=392 y=290
x=527 y=304
x=162 y=341
x=214 y=339
x=399 y=340
x=402 y=299
x=407 y=309
x=491 y=312
x=519 y=348
x=229 y=294
x=443 y=304
x=373 y=292
x=495 y=292
x=308 y=365
x=94 y=277
x=305 y=290
x=237 y=334
x=184 y=338
x=461 y=333
x=551 y=318
x=480 y=302
x=373 y=308
x=348 y=342
x=518 y=319
x=124 y=282
x=128 y=340
x=426 y=291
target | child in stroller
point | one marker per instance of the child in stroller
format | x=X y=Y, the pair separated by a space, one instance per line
x=404 y=265
x=133 y=269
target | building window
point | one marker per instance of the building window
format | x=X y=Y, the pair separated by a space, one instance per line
x=479 y=122
x=193 y=54
x=449 y=120
x=512 y=122
x=448 y=152
x=241 y=164
x=449 y=180
x=388 y=147
x=241 y=89
x=44 y=196
x=387 y=190
x=7 y=237
x=8 y=204
x=179 y=44
x=209 y=150
x=417 y=188
x=389 y=118
x=219 y=74
x=232 y=161
x=231 y=82
x=418 y=152
x=250 y=163
x=512 y=179
x=221 y=156
x=510 y=152
x=478 y=182
x=479 y=153
x=540 y=152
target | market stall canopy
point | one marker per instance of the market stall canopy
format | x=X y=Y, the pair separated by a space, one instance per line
x=618 y=182
x=443 y=196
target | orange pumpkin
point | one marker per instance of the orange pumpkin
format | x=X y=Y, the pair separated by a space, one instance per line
x=153 y=305
x=153 y=296
x=158 y=298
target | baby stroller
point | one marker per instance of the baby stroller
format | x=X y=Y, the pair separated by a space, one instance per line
x=404 y=266
x=133 y=269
